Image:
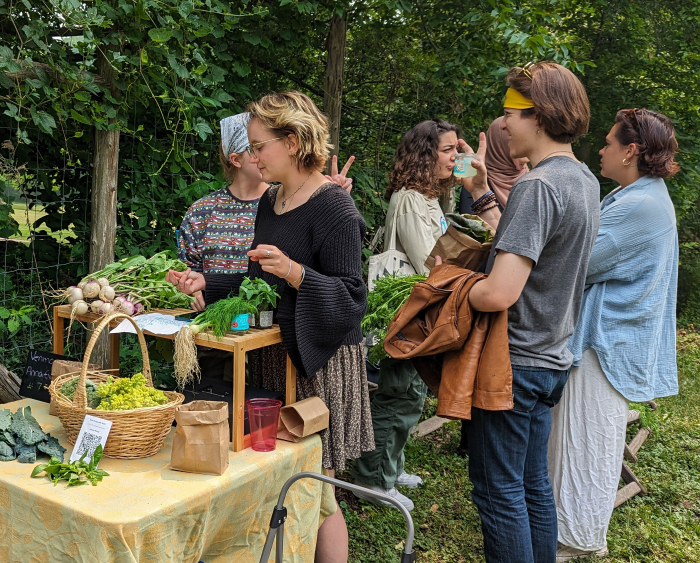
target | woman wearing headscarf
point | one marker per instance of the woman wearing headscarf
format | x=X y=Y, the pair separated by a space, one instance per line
x=502 y=169
x=217 y=230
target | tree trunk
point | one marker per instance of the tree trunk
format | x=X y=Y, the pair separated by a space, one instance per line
x=335 y=72
x=104 y=205
x=9 y=386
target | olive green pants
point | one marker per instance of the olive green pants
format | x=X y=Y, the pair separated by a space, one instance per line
x=396 y=408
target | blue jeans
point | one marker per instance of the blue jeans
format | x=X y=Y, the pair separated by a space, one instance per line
x=508 y=468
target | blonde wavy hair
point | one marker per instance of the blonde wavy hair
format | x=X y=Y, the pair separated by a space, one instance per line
x=290 y=112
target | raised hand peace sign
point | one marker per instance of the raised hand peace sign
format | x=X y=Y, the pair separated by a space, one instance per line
x=341 y=178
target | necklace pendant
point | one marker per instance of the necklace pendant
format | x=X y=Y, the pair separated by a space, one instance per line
x=283 y=204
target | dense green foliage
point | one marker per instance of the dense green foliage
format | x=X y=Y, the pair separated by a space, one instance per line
x=164 y=73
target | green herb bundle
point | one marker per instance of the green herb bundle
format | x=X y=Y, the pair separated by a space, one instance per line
x=69 y=387
x=218 y=316
x=76 y=472
x=387 y=297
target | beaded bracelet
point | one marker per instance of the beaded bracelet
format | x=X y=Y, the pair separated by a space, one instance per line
x=483 y=202
x=494 y=206
x=483 y=197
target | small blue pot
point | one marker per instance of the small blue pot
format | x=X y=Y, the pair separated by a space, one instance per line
x=240 y=322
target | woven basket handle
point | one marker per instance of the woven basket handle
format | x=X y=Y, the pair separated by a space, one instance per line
x=80 y=397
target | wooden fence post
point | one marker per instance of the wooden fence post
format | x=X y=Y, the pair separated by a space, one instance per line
x=335 y=73
x=105 y=174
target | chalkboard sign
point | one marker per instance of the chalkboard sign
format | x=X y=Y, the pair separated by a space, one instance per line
x=36 y=377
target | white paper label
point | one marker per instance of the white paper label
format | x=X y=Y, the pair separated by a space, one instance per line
x=93 y=433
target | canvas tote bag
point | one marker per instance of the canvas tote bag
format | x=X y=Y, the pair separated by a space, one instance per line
x=389 y=262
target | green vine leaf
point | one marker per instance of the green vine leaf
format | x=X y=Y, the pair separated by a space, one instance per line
x=160 y=35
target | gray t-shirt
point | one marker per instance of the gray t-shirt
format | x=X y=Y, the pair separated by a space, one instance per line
x=552 y=218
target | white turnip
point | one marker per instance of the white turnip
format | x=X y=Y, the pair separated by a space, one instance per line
x=127 y=307
x=104 y=282
x=74 y=294
x=91 y=289
x=95 y=306
x=105 y=309
x=79 y=308
x=107 y=293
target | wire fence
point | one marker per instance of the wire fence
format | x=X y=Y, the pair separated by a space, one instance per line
x=47 y=187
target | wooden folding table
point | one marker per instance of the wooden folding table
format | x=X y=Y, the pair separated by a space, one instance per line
x=253 y=339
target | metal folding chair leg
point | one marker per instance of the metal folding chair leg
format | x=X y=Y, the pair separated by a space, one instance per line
x=279 y=516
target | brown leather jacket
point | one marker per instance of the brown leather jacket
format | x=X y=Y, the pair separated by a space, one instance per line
x=461 y=354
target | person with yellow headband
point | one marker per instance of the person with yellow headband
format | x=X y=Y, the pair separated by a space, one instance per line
x=537 y=270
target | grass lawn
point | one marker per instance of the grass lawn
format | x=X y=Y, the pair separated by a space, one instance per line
x=35 y=213
x=663 y=526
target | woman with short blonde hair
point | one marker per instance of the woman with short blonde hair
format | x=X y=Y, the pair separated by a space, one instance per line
x=308 y=242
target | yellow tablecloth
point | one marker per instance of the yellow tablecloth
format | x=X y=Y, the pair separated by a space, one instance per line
x=145 y=512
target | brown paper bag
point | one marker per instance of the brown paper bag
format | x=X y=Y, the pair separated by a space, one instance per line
x=62 y=367
x=459 y=249
x=201 y=441
x=302 y=419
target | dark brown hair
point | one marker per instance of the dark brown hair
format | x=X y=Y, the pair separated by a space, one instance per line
x=415 y=159
x=655 y=138
x=561 y=104
x=228 y=169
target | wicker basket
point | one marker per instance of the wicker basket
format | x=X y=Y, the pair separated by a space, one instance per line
x=135 y=433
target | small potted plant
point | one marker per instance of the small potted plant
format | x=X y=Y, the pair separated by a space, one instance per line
x=240 y=309
x=262 y=296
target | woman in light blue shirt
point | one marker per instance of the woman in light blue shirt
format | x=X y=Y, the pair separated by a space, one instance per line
x=624 y=346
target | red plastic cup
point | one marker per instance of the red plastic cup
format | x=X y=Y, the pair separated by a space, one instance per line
x=263 y=418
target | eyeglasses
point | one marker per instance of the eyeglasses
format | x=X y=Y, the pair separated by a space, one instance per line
x=633 y=113
x=251 y=148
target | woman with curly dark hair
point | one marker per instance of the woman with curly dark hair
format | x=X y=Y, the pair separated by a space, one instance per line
x=624 y=346
x=422 y=172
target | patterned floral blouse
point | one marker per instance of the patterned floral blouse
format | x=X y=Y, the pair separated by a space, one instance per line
x=216 y=233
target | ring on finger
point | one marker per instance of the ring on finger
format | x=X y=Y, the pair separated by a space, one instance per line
x=268 y=254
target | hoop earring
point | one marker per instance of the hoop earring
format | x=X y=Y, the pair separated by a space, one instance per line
x=626 y=162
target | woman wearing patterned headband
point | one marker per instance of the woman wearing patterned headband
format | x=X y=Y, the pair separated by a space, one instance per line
x=218 y=229
x=624 y=346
